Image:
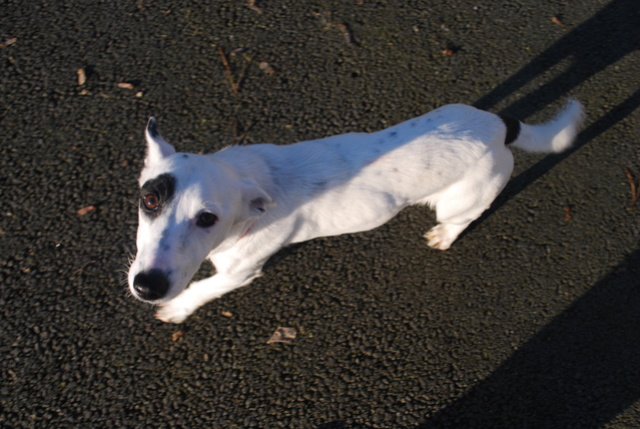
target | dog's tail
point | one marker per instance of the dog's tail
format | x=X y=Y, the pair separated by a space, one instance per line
x=553 y=136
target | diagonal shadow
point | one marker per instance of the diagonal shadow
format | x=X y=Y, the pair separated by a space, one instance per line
x=581 y=370
x=602 y=40
x=518 y=183
x=609 y=35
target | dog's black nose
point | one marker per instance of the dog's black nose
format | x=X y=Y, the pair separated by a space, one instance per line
x=151 y=285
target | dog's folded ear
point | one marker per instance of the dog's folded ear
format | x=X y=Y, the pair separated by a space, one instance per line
x=255 y=199
x=157 y=147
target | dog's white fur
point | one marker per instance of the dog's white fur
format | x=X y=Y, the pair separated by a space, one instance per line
x=453 y=159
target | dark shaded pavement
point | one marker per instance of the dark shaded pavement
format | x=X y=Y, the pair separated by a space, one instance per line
x=531 y=320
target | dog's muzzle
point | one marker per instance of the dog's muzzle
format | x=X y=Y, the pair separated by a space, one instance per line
x=151 y=285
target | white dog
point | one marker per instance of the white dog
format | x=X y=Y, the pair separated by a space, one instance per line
x=239 y=206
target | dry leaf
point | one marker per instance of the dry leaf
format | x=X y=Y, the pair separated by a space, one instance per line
x=177 y=335
x=83 y=211
x=265 y=67
x=226 y=313
x=635 y=190
x=567 y=213
x=556 y=21
x=125 y=85
x=448 y=52
x=347 y=33
x=252 y=5
x=82 y=76
x=283 y=335
x=13 y=375
x=8 y=42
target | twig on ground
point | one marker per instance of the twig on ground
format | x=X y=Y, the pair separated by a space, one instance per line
x=635 y=190
x=233 y=83
x=227 y=70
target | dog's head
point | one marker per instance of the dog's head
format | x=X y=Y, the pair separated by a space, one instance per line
x=189 y=205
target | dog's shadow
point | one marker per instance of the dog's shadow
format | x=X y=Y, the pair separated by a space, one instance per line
x=582 y=369
x=520 y=182
x=605 y=38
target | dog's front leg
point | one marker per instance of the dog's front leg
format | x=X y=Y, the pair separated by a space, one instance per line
x=203 y=291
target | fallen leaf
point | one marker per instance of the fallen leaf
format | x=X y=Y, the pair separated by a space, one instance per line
x=252 y=5
x=226 y=313
x=556 y=21
x=283 y=335
x=448 y=52
x=567 y=213
x=8 y=42
x=347 y=33
x=265 y=67
x=13 y=375
x=177 y=335
x=125 y=85
x=82 y=76
x=83 y=211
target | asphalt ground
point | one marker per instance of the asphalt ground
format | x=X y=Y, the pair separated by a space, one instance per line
x=531 y=320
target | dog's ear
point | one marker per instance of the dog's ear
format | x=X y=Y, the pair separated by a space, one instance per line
x=256 y=201
x=157 y=147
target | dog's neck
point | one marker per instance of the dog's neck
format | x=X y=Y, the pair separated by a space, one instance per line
x=247 y=163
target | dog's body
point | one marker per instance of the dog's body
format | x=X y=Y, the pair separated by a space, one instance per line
x=239 y=206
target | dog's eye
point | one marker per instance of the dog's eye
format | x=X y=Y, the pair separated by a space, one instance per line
x=150 y=202
x=206 y=219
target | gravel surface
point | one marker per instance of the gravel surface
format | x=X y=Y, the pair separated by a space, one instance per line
x=531 y=320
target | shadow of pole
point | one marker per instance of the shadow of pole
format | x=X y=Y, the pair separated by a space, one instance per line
x=581 y=370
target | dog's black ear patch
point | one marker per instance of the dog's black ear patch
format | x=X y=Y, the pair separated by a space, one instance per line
x=152 y=127
x=513 y=128
x=163 y=188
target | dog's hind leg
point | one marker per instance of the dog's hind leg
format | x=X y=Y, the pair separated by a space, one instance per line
x=443 y=235
x=464 y=201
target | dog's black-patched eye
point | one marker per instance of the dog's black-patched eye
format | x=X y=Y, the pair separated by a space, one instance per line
x=150 y=202
x=156 y=193
x=206 y=219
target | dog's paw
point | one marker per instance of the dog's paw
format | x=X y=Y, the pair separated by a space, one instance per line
x=441 y=237
x=173 y=312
